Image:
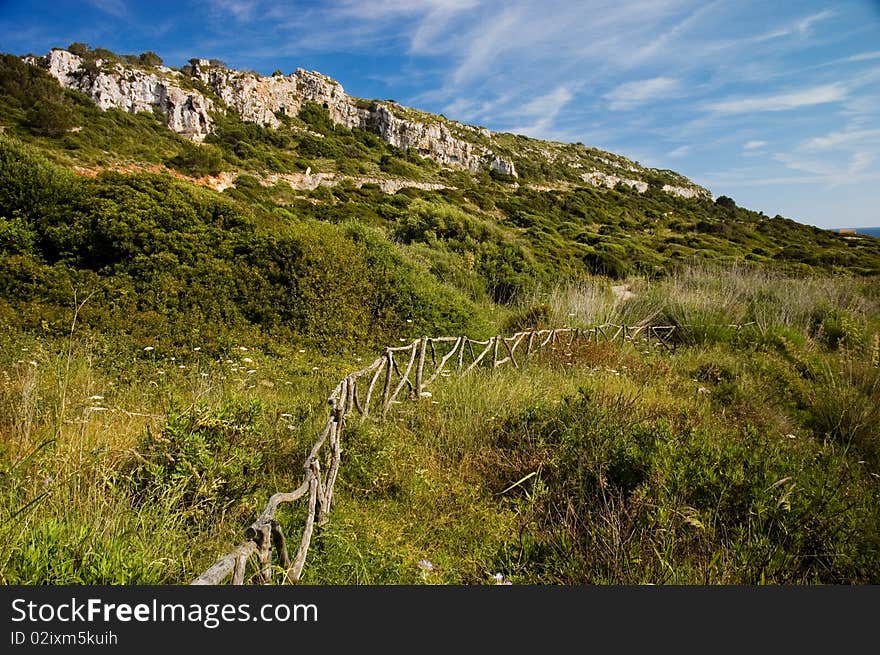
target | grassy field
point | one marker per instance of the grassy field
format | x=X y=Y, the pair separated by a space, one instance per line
x=746 y=456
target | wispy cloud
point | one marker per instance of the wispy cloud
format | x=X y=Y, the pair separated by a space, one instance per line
x=818 y=95
x=801 y=26
x=113 y=7
x=854 y=169
x=632 y=94
x=839 y=139
x=542 y=112
x=755 y=144
x=238 y=10
x=862 y=56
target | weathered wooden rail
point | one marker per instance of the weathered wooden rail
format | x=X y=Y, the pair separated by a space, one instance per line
x=371 y=392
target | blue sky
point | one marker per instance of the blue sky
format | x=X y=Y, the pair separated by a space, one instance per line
x=776 y=104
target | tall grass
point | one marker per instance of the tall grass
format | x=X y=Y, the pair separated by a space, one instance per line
x=709 y=303
x=739 y=458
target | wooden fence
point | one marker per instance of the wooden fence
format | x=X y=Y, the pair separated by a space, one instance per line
x=371 y=392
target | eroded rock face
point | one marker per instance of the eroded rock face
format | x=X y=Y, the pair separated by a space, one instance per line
x=134 y=90
x=267 y=99
x=432 y=140
x=261 y=99
x=687 y=191
x=258 y=99
x=598 y=178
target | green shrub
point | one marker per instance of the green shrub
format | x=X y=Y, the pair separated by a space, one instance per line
x=73 y=551
x=202 y=462
x=629 y=500
x=532 y=317
x=198 y=160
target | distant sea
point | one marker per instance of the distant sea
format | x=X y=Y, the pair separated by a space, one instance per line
x=870 y=231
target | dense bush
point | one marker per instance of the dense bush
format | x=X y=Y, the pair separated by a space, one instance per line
x=161 y=251
x=629 y=500
x=202 y=463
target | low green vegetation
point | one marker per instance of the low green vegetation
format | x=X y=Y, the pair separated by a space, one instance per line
x=745 y=456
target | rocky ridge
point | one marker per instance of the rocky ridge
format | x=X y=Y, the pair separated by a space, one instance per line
x=188 y=98
x=257 y=99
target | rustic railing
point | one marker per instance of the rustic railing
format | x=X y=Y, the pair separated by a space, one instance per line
x=426 y=360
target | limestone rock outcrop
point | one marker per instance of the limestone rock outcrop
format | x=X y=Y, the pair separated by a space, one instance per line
x=687 y=191
x=190 y=98
x=257 y=99
x=134 y=89
x=598 y=178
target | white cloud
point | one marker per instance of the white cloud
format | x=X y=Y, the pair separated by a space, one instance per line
x=681 y=151
x=837 y=139
x=755 y=144
x=861 y=161
x=801 y=27
x=863 y=56
x=543 y=111
x=855 y=168
x=632 y=94
x=817 y=95
x=113 y=7
x=240 y=10
x=549 y=102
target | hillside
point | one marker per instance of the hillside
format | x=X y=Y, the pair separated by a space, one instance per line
x=190 y=259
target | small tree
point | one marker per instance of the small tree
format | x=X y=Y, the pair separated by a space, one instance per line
x=726 y=202
x=49 y=118
x=79 y=49
x=149 y=58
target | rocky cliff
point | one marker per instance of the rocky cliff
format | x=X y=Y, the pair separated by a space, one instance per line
x=134 y=89
x=258 y=99
x=189 y=99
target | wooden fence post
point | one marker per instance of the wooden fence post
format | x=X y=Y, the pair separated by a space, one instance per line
x=264 y=541
x=386 y=392
x=420 y=370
